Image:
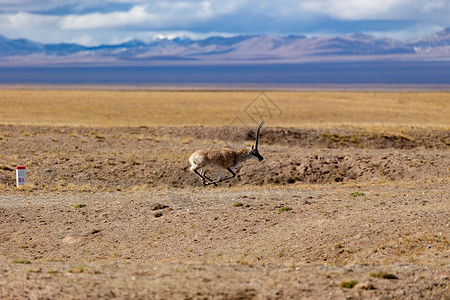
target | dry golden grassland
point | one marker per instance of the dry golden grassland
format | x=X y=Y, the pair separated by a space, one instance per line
x=219 y=108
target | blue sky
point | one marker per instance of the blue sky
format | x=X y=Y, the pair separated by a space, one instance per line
x=94 y=22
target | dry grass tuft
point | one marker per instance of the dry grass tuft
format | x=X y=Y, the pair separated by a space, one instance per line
x=348 y=284
x=384 y=275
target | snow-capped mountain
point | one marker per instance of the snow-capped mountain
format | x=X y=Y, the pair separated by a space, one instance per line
x=237 y=49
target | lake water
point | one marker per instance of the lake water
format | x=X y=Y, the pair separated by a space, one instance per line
x=314 y=73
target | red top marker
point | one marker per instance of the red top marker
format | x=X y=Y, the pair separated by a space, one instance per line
x=20 y=167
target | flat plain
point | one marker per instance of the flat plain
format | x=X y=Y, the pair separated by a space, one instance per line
x=351 y=200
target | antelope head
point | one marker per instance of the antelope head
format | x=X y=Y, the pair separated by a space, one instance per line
x=254 y=151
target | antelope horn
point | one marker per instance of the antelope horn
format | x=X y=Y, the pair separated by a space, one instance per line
x=257 y=134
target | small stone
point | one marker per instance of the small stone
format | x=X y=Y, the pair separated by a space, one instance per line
x=159 y=206
x=365 y=286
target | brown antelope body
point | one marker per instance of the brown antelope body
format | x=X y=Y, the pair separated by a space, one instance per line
x=224 y=159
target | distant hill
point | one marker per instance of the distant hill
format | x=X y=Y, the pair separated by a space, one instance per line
x=237 y=49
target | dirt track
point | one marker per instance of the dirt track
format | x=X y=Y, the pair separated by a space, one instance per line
x=325 y=207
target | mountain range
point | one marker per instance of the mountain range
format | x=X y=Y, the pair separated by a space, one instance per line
x=246 y=49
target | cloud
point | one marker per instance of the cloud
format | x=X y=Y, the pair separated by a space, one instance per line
x=155 y=16
x=113 y=20
x=27 y=20
x=136 y=15
x=376 y=9
x=38 y=5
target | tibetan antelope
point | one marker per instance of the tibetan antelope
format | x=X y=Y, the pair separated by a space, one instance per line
x=224 y=159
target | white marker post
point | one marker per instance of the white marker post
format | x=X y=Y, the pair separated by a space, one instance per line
x=20 y=176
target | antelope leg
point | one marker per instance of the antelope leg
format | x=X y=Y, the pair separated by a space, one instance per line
x=232 y=174
x=201 y=176
x=204 y=175
x=220 y=177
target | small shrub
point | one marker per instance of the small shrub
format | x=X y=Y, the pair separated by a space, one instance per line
x=83 y=269
x=384 y=275
x=357 y=194
x=338 y=246
x=238 y=204
x=348 y=284
x=79 y=205
x=285 y=208
x=22 y=261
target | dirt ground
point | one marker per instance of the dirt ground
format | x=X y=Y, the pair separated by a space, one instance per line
x=341 y=213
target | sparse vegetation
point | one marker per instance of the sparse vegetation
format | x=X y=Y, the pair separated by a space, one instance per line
x=348 y=284
x=238 y=204
x=22 y=261
x=384 y=275
x=82 y=269
x=77 y=270
x=357 y=194
x=284 y=208
x=338 y=246
x=80 y=205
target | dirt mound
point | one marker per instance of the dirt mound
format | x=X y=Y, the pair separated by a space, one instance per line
x=329 y=138
x=124 y=158
x=333 y=166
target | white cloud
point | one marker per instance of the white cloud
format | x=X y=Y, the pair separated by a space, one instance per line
x=30 y=26
x=136 y=15
x=407 y=33
x=156 y=15
x=86 y=40
x=376 y=9
x=26 y=20
x=431 y=6
x=350 y=9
